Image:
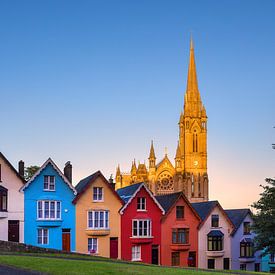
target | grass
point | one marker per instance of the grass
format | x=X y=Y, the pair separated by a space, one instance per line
x=55 y=265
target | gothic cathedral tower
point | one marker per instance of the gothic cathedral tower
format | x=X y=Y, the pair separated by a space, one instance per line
x=191 y=155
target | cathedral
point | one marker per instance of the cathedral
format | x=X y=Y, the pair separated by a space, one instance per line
x=189 y=172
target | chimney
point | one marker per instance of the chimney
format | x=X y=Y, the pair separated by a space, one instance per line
x=68 y=171
x=111 y=181
x=21 y=168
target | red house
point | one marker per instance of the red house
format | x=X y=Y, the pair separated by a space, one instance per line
x=140 y=224
x=179 y=231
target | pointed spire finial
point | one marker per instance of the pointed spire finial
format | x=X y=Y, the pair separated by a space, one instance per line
x=191 y=42
x=152 y=151
x=165 y=151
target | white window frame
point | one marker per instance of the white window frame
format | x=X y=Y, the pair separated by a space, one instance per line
x=44 y=233
x=43 y=209
x=48 y=188
x=94 y=243
x=142 y=221
x=141 y=204
x=106 y=219
x=97 y=199
x=136 y=253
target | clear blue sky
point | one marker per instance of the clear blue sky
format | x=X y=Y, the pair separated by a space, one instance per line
x=94 y=81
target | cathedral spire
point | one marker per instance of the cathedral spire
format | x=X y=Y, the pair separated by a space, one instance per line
x=152 y=151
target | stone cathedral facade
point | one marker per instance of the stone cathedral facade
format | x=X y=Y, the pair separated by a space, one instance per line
x=189 y=171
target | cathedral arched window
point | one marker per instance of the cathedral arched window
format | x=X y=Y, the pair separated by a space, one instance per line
x=165 y=183
x=195 y=142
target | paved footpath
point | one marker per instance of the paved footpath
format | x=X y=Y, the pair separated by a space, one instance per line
x=16 y=271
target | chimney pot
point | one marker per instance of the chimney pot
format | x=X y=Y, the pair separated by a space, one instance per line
x=21 y=168
x=68 y=171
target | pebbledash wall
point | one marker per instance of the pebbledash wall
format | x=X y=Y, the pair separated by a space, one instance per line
x=64 y=193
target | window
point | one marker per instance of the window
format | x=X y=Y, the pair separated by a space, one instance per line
x=246 y=228
x=246 y=249
x=98 y=219
x=49 y=210
x=175 y=258
x=242 y=266
x=141 y=228
x=141 y=203
x=3 y=199
x=92 y=245
x=43 y=236
x=215 y=243
x=180 y=212
x=195 y=142
x=180 y=236
x=49 y=183
x=215 y=220
x=211 y=263
x=136 y=255
x=97 y=194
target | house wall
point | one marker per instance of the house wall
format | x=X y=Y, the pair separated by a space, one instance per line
x=235 y=248
x=15 y=202
x=226 y=228
x=62 y=193
x=169 y=222
x=83 y=205
x=153 y=213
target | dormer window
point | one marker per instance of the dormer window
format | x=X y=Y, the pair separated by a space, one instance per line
x=215 y=221
x=3 y=199
x=179 y=212
x=49 y=183
x=141 y=204
x=246 y=228
x=97 y=194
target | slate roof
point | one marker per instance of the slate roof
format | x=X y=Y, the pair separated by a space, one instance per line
x=167 y=201
x=215 y=233
x=204 y=208
x=127 y=192
x=237 y=216
x=85 y=183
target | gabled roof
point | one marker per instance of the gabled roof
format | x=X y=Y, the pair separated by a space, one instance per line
x=49 y=161
x=84 y=184
x=128 y=193
x=12 y=168
x=237 y=216
x=168 y=201
x=205 y=208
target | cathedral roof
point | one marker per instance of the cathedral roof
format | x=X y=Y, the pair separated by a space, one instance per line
x=237 y=216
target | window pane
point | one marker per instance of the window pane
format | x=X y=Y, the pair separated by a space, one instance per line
x=39 y=235
x=52 y=210
x=100 y=193
x=101 y=219
x=135 y=228
x=45 y=236
x=95 y=194
x=39 y=205
x=107 y=219
x=46 y=206
x=96 y=219
x=58 y=210
x=46 y=182
x=140 y=225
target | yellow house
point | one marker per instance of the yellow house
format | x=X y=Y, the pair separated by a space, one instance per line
x=97 y=208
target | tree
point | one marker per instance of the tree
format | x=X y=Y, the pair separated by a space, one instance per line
x=264 y=220
x=30 y=171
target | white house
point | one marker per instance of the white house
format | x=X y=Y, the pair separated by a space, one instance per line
x=214 y=236
x=11 y=201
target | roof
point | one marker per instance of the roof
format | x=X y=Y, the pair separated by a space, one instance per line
x=204 y=208
x=49 y=161
x=126 y=193
x=12 y=168
x=215 y=233
x=237 y=216
x=168 y=201
x=83 y=185
x=129 y=192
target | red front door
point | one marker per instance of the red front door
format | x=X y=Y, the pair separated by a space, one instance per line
x=66 y=240
x=114 y=248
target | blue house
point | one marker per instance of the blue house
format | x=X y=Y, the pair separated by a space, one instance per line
x=243 y=256
x=268 y=263
x=49 y=211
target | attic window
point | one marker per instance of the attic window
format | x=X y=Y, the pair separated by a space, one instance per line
x=180 y=212
x=246 y=228
x=97 y=194
x=49 y=183
x=215 y=220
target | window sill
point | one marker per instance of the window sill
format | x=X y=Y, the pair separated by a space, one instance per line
x=141 y=240
x=180 y=246
x=97 y=232
x=3 y=214
x=136 y=260
x=141 y=210
x=46 y=190
x=215 y=254
x=248 y=259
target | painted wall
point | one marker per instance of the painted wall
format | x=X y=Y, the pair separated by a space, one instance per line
x=83 y=205
x=267 y=265
x=15 y=202
x=169 y=222
x=226 y=228
x=235 y=248
x=62 y=193
x=153 y=213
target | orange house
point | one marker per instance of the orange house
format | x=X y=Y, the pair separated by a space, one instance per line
x=179 y=231
x=97 y=208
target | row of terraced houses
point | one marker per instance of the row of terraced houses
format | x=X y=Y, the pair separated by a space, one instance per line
x=130 y=223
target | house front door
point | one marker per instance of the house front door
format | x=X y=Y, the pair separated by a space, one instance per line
x=155 y=254
x=192 y=259
x=114 y=248
x=66 y=240
x=13 y=235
